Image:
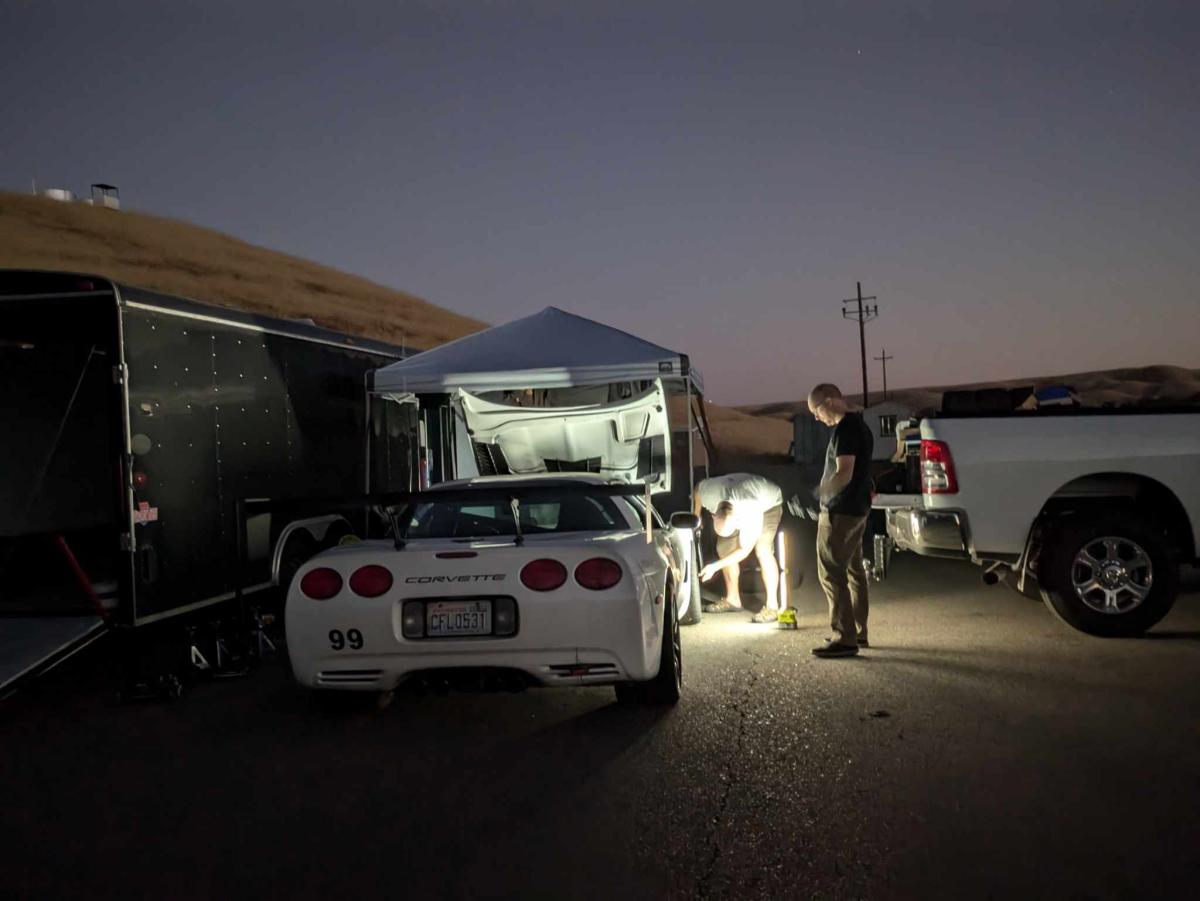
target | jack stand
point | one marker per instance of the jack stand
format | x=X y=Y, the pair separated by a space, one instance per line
x=227 y=666
x=258 y=635
x=198 y=660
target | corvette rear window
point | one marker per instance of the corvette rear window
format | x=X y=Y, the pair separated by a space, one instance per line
x=480 y=520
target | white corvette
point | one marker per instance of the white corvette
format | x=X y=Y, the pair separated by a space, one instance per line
x=560 y=579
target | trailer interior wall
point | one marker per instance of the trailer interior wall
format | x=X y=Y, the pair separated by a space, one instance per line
x=60 y=473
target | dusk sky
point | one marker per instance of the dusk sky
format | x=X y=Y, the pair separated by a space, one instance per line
x=1019 y=183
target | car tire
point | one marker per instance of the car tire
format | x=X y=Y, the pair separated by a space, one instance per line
x=299 y=549
x=1139 y=574
x=665 y=688
x=695 y=610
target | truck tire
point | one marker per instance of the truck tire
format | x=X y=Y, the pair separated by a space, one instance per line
x=1112 y=576
x=695 y=610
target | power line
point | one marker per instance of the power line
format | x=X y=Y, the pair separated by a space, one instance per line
x=862 y=315
x=883 y=359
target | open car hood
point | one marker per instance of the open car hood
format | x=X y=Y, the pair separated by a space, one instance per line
x=626 y=440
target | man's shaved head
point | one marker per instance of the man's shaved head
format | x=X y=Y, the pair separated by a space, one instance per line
x=826 y=404
x=823 y=392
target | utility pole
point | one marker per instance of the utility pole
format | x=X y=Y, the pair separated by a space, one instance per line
x=883 y=359
x=862 y=315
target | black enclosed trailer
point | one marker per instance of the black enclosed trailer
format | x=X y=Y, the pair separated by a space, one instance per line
x=134 y=423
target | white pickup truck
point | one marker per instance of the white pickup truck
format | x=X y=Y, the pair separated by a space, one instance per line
x=1101 y=507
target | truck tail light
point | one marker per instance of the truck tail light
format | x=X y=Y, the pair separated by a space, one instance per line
x=321 y=584
x=370 y=581
x=543 y=575
x=598 y=573
x=937 y=468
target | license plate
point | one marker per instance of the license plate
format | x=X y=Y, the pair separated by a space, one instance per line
x=447 y=618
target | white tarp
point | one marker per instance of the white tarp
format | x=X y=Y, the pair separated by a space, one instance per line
x=550 y=349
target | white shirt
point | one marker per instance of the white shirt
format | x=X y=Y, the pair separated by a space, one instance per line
x=750 y=495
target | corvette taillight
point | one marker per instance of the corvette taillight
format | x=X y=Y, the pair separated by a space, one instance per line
x=598 y=573
x=370 y=581
x=543 y=575
x=937 y=468
x=321 y=584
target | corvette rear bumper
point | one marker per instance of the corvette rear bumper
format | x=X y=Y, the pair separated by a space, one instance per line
x=547 y=667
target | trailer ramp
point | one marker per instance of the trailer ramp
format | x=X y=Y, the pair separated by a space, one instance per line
x=32 y=645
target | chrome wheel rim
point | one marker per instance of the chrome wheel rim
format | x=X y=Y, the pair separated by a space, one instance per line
x=1112 y=575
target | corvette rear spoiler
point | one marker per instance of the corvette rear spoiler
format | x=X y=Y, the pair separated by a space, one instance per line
x=393 y=502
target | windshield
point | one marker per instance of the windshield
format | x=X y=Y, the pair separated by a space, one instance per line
x=486 y=518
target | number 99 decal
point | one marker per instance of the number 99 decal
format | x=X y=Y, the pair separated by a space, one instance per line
x=353 y=638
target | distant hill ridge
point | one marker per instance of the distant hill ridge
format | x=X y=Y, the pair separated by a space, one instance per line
x=1157 y=384
x=178 y=258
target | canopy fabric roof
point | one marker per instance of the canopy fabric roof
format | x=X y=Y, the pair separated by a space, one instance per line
x=550 y=349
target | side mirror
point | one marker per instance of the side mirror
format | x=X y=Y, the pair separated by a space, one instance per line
x=689 y=521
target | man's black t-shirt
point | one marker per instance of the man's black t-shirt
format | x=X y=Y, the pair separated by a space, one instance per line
x=851 y=437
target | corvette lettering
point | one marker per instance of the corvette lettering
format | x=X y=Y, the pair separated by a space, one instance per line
x=427 y=580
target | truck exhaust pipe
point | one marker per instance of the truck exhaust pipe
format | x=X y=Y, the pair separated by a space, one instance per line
x=991 y=575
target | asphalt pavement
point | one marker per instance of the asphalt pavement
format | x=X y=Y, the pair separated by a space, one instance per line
x=978 y=749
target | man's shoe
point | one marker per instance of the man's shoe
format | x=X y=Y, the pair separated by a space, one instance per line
x=835 y=649
x=722 y=606
x=766 y=615
x=863 y=643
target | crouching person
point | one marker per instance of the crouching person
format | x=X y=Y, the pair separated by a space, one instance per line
x=746 y=511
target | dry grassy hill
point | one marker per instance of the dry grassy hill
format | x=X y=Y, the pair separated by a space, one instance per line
x=178 y=258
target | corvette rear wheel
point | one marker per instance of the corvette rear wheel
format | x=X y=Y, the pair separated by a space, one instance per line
x=665 y=688
x=695 y=610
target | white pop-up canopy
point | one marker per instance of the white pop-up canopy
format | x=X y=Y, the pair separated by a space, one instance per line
x=550 y=349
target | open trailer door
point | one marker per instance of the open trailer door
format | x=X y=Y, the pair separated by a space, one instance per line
x=627 y=440
x=61 y=516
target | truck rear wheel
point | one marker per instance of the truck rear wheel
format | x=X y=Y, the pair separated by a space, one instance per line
x=1113 y=576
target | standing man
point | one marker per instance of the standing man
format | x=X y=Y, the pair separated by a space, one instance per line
x=845 y=495
x=746 y=512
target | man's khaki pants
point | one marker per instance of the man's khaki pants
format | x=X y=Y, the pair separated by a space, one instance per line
x=843 y=576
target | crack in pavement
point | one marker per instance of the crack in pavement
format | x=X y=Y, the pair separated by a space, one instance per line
x=728 y=776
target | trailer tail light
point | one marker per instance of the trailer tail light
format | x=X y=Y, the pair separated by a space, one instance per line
x=543 y=575
x=370 y=581
x=937 y=468
x=321 y=584
x=598 y=573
